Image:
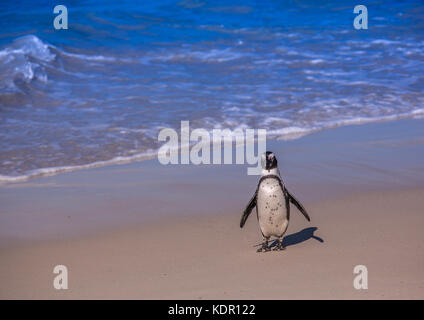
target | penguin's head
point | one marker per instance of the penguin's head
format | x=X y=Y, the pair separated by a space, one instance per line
x=268 y=160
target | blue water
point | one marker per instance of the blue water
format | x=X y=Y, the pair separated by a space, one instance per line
x=98 y=92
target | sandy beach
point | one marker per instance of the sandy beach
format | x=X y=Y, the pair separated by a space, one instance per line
x=94 y=95
x=147 y=231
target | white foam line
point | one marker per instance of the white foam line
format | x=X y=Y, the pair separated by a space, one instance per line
x=291 y=133
x=56 y=170
x=288 y=133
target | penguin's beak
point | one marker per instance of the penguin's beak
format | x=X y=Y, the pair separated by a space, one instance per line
x=268 y=165
x=269 y=162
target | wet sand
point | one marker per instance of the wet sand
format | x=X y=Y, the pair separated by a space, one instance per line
x=148 y=231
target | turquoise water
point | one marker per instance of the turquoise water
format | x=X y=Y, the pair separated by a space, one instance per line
x=98 y=92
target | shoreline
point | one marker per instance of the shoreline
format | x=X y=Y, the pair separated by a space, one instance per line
x=325 y=165
x=285 y=134
x=147 y=231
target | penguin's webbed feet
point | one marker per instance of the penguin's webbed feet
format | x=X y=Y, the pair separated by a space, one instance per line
x=279 y=246
x=264 y=248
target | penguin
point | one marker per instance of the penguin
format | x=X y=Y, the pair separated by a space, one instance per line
x=272 y=201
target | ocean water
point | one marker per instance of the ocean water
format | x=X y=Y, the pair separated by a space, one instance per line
x=99 y=92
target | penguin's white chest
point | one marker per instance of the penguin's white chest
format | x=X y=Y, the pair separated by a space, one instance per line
x=271 y=206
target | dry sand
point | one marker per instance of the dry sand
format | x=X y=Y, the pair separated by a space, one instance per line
x=120 y=239
x=211 y=258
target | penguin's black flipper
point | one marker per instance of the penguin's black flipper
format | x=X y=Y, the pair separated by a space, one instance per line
x=298 y=205
x=248 y=210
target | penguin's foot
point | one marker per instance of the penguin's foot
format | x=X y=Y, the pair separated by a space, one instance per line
x=264 y=248
x=279 y=247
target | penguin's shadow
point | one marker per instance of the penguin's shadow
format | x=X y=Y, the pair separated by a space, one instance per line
x=299 y=237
